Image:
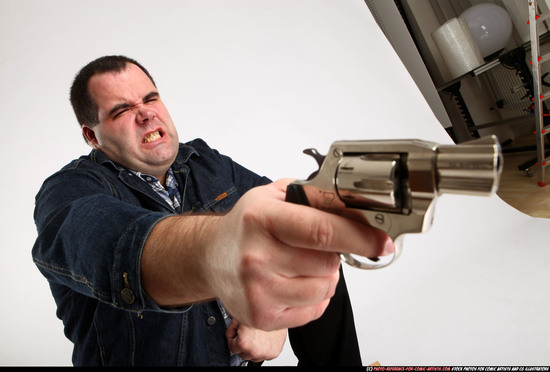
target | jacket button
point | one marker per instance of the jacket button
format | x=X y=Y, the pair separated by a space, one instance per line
x=211 y=320
x=128 y=296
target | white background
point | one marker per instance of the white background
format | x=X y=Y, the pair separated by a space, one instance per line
x=261 y=80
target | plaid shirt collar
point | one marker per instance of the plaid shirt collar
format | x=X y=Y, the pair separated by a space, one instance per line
x=170 y=194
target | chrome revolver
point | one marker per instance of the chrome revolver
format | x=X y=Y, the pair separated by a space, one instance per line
x=393 y=184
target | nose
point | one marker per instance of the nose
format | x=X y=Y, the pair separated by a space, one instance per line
x=144 y=116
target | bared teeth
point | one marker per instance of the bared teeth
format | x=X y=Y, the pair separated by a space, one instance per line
x=151 y=137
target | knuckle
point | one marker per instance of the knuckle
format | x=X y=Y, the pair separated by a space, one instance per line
x=323 y=234
x=242 y=344
x=251 y=215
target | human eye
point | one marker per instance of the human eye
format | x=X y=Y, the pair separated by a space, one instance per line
x=118 y=110
x=151 y=97
x=119 y=113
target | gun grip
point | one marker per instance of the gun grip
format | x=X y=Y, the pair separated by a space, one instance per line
x=296 y=194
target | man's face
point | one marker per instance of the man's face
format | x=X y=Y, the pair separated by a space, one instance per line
x=135 y=129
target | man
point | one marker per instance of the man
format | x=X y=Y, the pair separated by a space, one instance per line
x=161 y=253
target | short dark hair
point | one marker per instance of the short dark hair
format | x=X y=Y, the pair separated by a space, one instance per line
x=85 y=108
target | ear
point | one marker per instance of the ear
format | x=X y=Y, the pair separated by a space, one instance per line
x=89 y=135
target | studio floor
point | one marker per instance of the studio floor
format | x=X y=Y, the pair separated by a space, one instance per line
x=522 y=191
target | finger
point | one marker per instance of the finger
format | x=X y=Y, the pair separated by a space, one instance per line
x=257 y=345
x=232 y=337
x=241 y=342
x=234 y=346
x=285 y=293
x=290 y=262
x=306 y=227
x=297 y=316
x=307 y=291
x=232 y=330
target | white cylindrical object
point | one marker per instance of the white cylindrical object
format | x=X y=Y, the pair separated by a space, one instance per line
x=457 y=47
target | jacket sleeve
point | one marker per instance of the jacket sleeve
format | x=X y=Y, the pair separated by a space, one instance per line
x=90 y=241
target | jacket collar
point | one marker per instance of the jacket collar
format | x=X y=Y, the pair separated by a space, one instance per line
x=184 y=153
x=178 y=166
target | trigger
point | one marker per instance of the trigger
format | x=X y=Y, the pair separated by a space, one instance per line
x=318 y=158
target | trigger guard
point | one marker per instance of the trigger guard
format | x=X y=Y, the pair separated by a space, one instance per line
x=373 y=265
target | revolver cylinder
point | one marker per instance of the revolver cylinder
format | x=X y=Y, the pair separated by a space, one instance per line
x=370 y=181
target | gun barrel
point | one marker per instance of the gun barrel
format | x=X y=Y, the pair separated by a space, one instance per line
x=472 y=168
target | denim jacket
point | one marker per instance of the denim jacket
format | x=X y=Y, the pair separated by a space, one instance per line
x=93 y=217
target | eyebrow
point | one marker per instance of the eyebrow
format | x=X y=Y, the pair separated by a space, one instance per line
x=120 y=106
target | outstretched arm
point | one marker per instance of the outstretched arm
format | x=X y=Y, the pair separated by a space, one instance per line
x=273 y=264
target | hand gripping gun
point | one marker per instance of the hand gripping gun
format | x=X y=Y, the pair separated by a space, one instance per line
x=393 y=184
